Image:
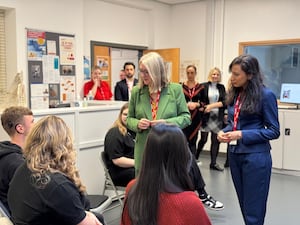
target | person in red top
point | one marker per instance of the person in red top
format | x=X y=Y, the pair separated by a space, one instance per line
x=162 y=194
x=99 y=88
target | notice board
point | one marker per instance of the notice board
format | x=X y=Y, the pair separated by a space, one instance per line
x=51 y=68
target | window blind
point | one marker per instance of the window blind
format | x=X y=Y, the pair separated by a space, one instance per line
x=3 y=76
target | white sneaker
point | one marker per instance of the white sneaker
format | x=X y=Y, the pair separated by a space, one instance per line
x=212 y=204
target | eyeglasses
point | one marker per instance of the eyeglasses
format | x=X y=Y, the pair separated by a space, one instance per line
x=144 y=72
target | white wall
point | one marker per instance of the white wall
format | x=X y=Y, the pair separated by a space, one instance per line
x=208 y=31
x=188 y=32
x=258 y=20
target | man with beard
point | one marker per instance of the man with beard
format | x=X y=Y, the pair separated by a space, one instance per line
x=123 y=87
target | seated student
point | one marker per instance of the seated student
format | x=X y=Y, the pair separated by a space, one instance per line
x=46 y=189
x=163 y=193
x=119 y=146
x=99 y=88
x=17 y=122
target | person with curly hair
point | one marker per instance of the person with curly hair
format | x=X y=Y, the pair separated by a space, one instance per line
x=46 y=189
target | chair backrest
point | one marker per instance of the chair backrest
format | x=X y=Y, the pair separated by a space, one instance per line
x=105 y=159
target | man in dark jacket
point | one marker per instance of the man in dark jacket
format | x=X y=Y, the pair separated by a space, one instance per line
x=16 y=121
x=123 y=88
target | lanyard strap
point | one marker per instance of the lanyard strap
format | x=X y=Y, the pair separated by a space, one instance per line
x=237 y=109
x=191 y=93
x=154 y=106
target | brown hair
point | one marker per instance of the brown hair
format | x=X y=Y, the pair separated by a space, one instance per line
x=13 y=116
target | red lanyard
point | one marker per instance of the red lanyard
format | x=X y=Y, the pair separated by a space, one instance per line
x=154 y=106
x=191 y=93
x=237 y=110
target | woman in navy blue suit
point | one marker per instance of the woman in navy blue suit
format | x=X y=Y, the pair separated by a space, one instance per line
x=252 y=123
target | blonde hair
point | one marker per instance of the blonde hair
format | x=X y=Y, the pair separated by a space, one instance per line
x=119 y=123
x=96 y=68
x=209 y=77
x=155 y=66
x=49 y=148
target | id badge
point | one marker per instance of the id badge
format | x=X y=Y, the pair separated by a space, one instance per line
x=233 y=142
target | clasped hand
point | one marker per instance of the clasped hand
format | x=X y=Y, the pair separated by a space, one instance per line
x=229 y=136
x=144 y=124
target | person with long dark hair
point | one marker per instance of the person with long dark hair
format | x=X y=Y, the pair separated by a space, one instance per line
x=252 y=123
x=163 y=192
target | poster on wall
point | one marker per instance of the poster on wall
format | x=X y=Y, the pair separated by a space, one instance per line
x=67 y=50
x=39 y=96
x=35 y=72
x=51 y=68
x=67 y=88
x=103 y=63
x=86 y=67
x=51 y=47
x=36 y=44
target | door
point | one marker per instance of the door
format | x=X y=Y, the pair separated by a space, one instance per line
x=101 y=57
x=172 y=58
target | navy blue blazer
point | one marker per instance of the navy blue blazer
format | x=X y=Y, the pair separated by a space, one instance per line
x=257 y=128
x=121 y=90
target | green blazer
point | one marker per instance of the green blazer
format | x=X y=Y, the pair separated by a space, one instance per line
x=172 y=107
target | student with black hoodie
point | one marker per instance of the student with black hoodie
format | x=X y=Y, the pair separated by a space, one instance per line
x=17 y=122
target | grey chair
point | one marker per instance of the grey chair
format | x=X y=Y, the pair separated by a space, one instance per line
x=99 y=203
x=108 y=183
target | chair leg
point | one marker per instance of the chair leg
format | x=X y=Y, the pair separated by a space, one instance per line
x=117 y=195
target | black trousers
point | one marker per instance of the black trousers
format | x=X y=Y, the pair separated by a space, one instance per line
x=196 y=176
x=122 y=177
x=214 y=147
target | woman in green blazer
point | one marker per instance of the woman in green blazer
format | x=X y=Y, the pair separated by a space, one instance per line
x=154 y=100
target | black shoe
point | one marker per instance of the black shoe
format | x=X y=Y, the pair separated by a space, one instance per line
x=216 y=167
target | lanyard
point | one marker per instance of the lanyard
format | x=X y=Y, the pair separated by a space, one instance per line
x=237 y=110
x=191 y=93
x=154 y=106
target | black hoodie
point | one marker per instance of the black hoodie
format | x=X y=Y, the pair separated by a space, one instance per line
x=10 y=159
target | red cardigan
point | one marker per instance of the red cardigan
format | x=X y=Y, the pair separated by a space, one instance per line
x=176 y=209
x=103 y=92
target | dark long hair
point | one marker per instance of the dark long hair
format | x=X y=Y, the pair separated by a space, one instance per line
x=164 y=169
x=252 y=93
